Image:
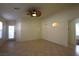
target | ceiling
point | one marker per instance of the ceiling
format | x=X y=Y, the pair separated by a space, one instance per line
x=13 y=11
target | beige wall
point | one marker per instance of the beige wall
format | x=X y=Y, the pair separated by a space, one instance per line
x=11 y=22
x=60 y=34
x=18 y=30
x=30 y=28
x=71 y=34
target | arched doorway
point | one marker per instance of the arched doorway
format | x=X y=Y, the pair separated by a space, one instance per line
x=74 y=35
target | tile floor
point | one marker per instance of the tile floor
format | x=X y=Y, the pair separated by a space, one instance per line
x=34 y=48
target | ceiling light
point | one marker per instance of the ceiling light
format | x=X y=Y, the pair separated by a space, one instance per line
x=33 y=15
x=34 y=12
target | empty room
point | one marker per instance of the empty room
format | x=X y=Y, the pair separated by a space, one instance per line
x=39 y=29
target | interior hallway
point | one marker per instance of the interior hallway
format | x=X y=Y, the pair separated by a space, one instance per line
x=34 y=48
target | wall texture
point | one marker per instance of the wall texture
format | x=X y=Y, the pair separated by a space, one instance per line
x=18 y=30
x=58 y=35
x=30 y=28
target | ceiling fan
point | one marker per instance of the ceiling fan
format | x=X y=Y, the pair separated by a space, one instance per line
x=34 y=12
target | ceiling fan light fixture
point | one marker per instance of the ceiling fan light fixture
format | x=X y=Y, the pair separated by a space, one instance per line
x=34 y=14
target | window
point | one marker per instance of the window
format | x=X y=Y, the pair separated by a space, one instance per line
x=77 y=29
x=11 y=32
x=1 y=26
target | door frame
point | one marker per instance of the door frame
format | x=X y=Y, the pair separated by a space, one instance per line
x=10 y=23
x=72 y=34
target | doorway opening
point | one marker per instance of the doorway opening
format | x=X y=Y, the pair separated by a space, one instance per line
x=74 y=36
